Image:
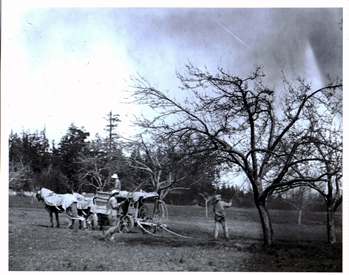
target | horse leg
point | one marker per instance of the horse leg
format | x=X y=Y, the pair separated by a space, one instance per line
x=57 y=219
x=71 y=223
x=82 y=219
x=82 y=224
x=74 y=209
x=51 y=219
x=50 y=215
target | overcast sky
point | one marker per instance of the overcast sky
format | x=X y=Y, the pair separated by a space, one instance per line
x=71 y=65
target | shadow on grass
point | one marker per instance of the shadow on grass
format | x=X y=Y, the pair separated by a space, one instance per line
x=296 y=256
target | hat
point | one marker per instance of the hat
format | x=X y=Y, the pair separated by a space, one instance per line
x=114 y=191
x=115 y=176
x=217 y=197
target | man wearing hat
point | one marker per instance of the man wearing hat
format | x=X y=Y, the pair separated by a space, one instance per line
x=117 y=184
x=219 y=207
x=112 y=212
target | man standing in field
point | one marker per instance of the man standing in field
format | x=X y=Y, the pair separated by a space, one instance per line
x=219 y=207
x=112 y=212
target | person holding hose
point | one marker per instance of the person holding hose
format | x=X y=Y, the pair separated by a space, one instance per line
x=219 y=207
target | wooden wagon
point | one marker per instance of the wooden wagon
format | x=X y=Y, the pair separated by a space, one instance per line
x=142 y=209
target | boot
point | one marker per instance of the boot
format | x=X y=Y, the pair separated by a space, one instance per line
x=225 y=229
x=215 y=232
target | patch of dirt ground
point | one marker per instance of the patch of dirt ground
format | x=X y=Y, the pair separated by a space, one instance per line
x=33 y=246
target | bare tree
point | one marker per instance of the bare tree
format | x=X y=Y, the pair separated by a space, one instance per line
x=299 y=198
x=18 y=174
x=330 y=155
x=324 y=163
x=242 y=121
x=161 y=162
x=208 y=199
x=98 y=163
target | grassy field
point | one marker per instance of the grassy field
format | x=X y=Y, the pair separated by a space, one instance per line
x=33 y=246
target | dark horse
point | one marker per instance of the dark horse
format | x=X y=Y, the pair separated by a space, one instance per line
x=56 y=203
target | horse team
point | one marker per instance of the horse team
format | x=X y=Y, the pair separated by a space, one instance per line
x=75 y=206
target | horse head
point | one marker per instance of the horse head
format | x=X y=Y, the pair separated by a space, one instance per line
x=38 y=196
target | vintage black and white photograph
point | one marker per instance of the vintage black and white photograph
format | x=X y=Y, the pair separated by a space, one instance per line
x=173 y=138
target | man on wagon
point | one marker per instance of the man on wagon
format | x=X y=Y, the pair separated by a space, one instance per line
x=112 y=212
x=117 y=183
x=219 y=207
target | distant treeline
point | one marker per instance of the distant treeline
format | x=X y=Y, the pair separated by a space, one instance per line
x=244 y=199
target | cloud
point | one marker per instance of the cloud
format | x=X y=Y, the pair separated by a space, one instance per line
x=293 y=31
x=75 y=62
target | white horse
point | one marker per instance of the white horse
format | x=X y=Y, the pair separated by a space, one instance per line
x=58 y=203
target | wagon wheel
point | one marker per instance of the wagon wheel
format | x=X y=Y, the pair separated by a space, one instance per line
x=126 y=224
x=92 y=221
x=143 y=212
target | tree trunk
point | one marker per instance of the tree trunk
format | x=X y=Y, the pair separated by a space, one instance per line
x=206 y=206
x=266 y=223
x=331 y=230
x=300 y=210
